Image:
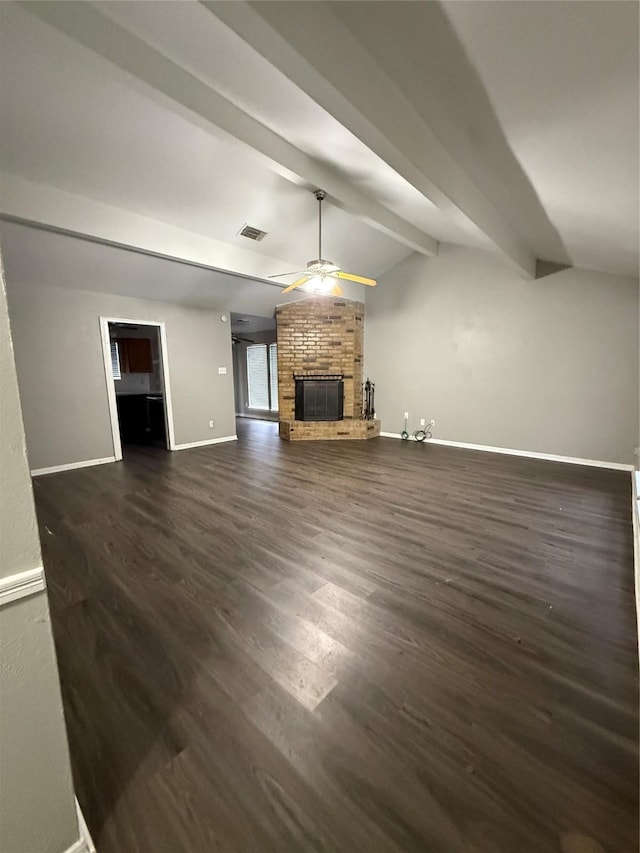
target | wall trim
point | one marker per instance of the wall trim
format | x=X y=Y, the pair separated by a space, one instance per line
x=85 y=835
x=530 y=454
x=84 y=844
x=635 y=512
x=87 y=463
x=273 y=420
x=191 y=444
x=79 y=846
x=22 y=585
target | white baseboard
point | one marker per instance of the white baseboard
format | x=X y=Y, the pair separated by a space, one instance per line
x=206 y=442
x=79 y=846
x=85 y=835
x=530 y=454
x=84 y=844
x=273 y=420
x=635 y=511
x=21 y=585
x=70 y=466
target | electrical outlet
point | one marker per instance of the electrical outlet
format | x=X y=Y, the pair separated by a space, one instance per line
x=212 y=424
x=432 y=423
x=422 y=422
x=406 y=416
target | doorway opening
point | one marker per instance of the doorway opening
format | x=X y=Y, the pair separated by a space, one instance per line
x=135 y=361
x=255 y=366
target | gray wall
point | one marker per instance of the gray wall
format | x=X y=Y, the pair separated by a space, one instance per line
x=57 y=335
x=19 y=542
x=37 y=809
x=549 y=365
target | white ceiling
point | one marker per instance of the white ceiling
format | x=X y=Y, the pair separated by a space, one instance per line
x=245 y=324
x=72 y=120
x=46 y=258
x=564 y=86
x=201 y=43
x=520 y=125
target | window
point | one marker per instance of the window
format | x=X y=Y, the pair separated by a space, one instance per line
x=262 y=377
x=273 y=376
x=115 y=361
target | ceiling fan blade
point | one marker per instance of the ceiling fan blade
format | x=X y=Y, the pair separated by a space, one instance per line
x=296 y=283
x=336 y=291
x=282 y=274
x=359 y=278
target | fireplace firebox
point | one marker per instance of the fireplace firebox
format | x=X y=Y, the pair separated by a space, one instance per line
x=319 y=397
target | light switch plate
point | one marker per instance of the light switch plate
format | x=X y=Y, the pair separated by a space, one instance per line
x=222 y=370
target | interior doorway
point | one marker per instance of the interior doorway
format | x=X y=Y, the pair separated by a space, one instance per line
x=255 y=366
x=135 y=361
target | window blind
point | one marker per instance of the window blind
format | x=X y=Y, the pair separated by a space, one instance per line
x=273 y=376
x=115 y=360
x=257 y=377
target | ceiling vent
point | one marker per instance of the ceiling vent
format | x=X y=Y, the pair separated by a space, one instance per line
x=252 y=233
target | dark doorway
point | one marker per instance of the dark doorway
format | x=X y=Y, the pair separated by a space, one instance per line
x=136 y=364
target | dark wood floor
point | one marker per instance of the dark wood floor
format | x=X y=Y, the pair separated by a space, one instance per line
x=346 y=646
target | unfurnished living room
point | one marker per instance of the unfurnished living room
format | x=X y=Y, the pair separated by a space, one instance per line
x=320 y=413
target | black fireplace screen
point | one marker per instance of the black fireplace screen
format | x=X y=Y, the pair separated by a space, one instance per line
x=319 y=398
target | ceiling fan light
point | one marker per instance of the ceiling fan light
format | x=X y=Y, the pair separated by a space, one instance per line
x=318 y=284
x=325 y=285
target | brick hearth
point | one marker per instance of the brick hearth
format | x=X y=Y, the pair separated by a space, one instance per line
x=322 y=335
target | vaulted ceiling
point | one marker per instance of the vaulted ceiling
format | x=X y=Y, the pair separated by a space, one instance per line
x=167 y=126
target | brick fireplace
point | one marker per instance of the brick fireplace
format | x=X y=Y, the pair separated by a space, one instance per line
x=320 y=353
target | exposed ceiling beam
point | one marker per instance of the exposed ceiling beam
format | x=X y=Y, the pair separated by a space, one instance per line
x=311 y=45
x=41 y=205
x=164 y=80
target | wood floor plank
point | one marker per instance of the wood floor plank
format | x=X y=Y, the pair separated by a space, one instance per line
x=346 y=646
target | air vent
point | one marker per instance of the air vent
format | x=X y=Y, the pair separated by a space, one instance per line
x=252 y=233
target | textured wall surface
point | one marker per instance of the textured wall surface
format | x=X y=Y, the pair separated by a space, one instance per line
x=549 y=366
x=57 y=332
x=19 y=542
x=37 y=809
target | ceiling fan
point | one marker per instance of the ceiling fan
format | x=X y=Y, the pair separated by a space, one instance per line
x=320 y=275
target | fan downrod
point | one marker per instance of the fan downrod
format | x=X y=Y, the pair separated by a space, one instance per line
x=320 y=196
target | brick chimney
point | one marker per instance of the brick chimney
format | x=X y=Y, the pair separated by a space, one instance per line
x=322 y=336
